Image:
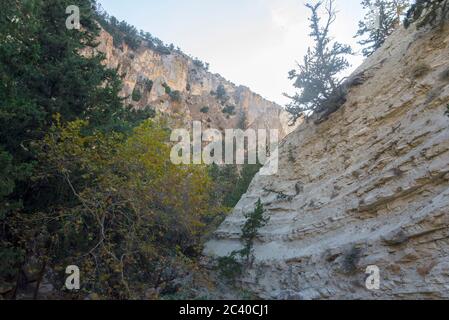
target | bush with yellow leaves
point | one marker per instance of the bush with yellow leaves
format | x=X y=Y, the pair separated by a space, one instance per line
x=122 y=211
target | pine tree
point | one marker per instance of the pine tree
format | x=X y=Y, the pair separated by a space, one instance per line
x=318 y=76
x=427 y=12
x=43 y=72
x=254 y=221
x=382 y=18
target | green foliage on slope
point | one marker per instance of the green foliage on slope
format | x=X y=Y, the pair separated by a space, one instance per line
x=128 y=213
x=83 y=179
x=232 y=182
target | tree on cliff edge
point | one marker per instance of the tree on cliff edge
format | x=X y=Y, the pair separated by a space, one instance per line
x=427 y=12
x=318 y=76
x=381 y=19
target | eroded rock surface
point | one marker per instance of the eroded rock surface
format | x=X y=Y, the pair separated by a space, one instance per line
x=196 y=87
x=369 y=186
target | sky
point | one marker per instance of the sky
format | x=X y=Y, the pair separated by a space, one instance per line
x=254 y=43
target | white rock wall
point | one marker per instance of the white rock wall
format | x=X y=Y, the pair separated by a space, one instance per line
x=370 y=186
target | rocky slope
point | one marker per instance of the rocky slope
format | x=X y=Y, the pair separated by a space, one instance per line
x=193 y=88
x=369 y=186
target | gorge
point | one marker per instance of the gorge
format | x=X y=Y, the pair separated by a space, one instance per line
x=367 y=187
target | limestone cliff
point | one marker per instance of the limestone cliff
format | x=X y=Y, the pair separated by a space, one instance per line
x=175 y=85
x=369 y=186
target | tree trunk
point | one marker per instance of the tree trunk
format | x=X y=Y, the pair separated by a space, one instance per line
x=39 y=280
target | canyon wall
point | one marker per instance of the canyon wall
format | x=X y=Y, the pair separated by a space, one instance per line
x=193 y=90
x=369 y=186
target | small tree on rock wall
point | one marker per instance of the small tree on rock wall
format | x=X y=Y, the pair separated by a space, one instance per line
x=381 y=19
x=230 y=266
x=427 y=12
x=254 y=221
x=318 y=76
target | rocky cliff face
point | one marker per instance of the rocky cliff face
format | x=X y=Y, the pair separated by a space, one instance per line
x=175 y=85
x=369 y=186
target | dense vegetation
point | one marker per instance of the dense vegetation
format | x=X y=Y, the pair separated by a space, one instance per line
x=85 y=180
x=231 y=182
x=132 y=214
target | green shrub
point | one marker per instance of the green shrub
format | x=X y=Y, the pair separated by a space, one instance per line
x=175 y=95
x=204 y=110
x=136 y=95
x=232 y=181
x=156 y=44
x=167 y=88
x=254 y=221
x=132 y=41
x=149 y=112
x=230 y=110
x=148 y=85
x=163 y=50
x=240 y=186
x=201 y=64
x=447 y=110
x=120 y=31
x=231 y=266
x=221 y=94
